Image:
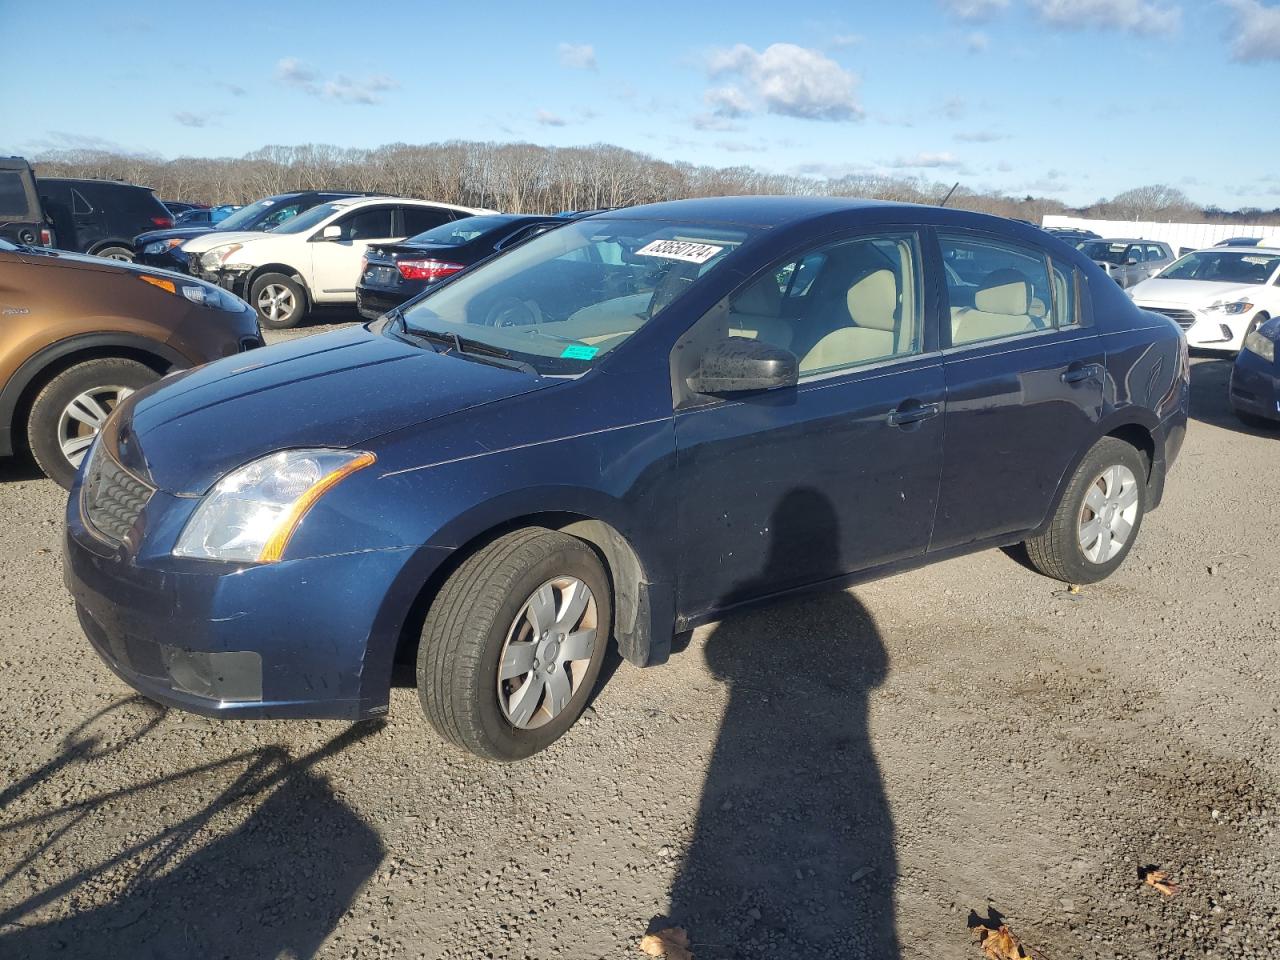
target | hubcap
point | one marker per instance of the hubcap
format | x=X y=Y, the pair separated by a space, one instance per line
x=275 y=302
x=83 y=417
x=1109 y=513
x=547 y=651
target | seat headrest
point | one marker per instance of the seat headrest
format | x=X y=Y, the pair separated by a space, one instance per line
x=873 y=300
x=1004 y=291
x=762 y=298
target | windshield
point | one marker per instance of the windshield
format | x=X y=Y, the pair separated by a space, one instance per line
x=305 y=221
x=245 y=217
x=568 y=297
x=1224 y=266
x=1100 y=250
x=458 y=232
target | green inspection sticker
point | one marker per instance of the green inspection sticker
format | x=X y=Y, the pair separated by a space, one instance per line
x=579 y=351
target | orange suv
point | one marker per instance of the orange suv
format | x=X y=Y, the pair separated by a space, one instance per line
x=80 y=333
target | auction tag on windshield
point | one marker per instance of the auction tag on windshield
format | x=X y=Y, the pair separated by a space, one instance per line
x=680 y=250
x=579 y=351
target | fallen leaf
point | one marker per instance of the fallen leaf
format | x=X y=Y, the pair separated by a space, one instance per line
x=1156 y=878
x=672 y=943
x=1074 y=588
x=999 y=944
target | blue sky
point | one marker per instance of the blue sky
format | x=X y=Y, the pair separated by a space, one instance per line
x=1074 y=99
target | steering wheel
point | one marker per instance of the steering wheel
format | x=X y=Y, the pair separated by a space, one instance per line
x=512 y=312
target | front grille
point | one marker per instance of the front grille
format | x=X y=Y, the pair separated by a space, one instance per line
x=1183 y=318
x=112 y=497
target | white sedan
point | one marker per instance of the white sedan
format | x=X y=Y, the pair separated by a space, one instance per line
x=313 y=259
x=1217 y=295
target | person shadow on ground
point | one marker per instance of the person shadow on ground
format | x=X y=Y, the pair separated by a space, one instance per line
x=793 y=849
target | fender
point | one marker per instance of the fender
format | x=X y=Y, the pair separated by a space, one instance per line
x=11 y=393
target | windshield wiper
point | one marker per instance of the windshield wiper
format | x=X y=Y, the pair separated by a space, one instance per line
x=476 y=350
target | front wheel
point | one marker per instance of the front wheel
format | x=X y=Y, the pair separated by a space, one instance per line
x=71 y=409
x=513 y=644
x=115 y=253
x=1097 y=521
x=280 y=301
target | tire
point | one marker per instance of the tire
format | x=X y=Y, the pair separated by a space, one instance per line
x=288 y=297
x=58 y=427
x=487 y=602
x=1061 y=551
x=1254 y=324
x=115 y=252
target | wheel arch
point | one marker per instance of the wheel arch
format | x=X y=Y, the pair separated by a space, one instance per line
x=293 y=273
x=1136 y=427
x=110 y=242
x=644 y=612
x=37 y=370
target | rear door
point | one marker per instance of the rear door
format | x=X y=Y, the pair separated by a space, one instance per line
x=1024 y=386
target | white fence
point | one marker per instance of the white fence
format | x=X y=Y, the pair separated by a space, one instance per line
x=1177 y=235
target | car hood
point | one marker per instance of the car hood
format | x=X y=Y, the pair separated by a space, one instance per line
x=1190 y=292
x=86 y=261
x=173 y=233
x=332 y=390
x=216 y=238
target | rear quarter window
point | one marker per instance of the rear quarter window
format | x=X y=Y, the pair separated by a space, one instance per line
x=13 y=195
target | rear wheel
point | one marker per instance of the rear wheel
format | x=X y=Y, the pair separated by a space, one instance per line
x=71 y=409
x=115 y=253
x=280 y=301
x=1098 y=519
x=513 y=644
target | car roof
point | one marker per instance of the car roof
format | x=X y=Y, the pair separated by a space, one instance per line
x=94 y=180
x=1240 y=249
x=756 y=211
x=1124 y=240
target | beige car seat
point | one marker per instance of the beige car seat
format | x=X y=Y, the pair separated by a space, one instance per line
x=872 y=303
x=754 y=314
x=1003 y=306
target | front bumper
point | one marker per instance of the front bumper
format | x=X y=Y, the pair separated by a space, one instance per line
x=1255 y=386
x=173 y=259
x=1203 y=330
x=309 y=638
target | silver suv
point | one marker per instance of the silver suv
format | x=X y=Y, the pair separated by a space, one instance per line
x=1129 y=261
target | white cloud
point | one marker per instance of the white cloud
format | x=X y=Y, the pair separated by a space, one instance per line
x=1255 y=34
x=549 y=119
x=954 y=107
x=1133 y=16
x=842 y=41
x=791 y=81
x=579 y=56
x=977 y=42
x=294 y=73
x=934 y=161
x=709 y=121
x=975 y=11
x=980 y=136
x=727 y=102
x=189 y=118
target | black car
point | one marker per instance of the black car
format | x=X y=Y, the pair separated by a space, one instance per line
x=163 y=248
x=177 y=207
x=100 y=217
x=1074 y=235
x=22 y=218
x=396 y=272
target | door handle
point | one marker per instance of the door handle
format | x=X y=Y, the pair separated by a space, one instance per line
x=1088 y=371
x=904 y=414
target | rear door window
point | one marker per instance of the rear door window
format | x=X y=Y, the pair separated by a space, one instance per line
x=420 y=219
x=371 y=224
x=1003 y=290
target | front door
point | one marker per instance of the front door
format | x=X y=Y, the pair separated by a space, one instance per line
x=1024 y=381
x=837 y=474
x=335 y=264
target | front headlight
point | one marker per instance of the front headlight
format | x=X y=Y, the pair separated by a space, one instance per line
x=1230 y=307
x=251 y=513
x=213 y=259
x=204 y=294
x=1255 y=342
x=160 y=246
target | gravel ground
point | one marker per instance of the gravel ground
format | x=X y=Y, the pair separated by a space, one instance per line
x=846 y=776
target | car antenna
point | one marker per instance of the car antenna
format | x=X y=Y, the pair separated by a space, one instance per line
x=949 y=193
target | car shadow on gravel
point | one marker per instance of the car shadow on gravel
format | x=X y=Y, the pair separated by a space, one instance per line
x=1210 y=383
x=275 y=884
x=793 y=851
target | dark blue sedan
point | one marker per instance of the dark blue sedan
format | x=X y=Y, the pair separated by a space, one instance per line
x=609 y=434
x=1255 y=378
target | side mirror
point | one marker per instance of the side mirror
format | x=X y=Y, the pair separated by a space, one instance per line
x=331 y=232
x=739 y=365
x=1131 y=262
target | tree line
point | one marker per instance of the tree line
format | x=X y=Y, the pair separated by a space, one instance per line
x=525 y=177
